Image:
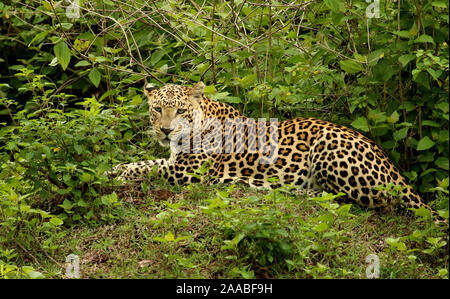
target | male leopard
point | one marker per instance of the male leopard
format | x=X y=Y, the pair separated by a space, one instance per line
x=307 y=153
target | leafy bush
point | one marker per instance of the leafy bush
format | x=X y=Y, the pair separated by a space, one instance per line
x=265 y=232
x=22 y=226
x=270 y=236
x=64 y=152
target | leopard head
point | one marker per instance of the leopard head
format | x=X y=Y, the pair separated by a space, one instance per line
x=173 y=108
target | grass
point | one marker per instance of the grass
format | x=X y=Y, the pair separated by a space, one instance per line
x=219 y=231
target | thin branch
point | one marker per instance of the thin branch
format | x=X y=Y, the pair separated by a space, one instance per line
x=283 y=5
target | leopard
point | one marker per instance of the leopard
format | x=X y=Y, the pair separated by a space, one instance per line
x=304 y=153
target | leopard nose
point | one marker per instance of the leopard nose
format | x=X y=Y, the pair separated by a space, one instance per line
x=166 y=131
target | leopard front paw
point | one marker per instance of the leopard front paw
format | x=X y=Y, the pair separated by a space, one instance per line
x=118 y=172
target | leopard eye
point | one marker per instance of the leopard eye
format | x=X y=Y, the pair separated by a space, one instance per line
x=157 y=109
x=181 y=111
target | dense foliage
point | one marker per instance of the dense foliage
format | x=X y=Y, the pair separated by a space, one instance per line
x=71 y=104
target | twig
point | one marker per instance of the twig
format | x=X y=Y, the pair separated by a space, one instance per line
x=282 y=5
x=45 y=252
x=29 y=253
x=212 y=42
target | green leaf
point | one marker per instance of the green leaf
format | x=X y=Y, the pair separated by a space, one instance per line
x=82 y=203
x=344 y=209
x=95 y=76
x=424 y=38
x=403 y=33
x=35 y=275
x=421 y=212
x=321 y=227
x=109 y=199
x=361 y=124
x=426 y=157
x=66 y=26
x=443 y=136
x=169 y=237
x=405 y=59
x=244 y=273
x=156 y=56
x=210 y=89
x=401 y=134
x=82 y=63
x=427 y=172
x=86 y=177
x=377 y=116
x=396 y=243
x=332 y=4
x=422 y=79
x=89 y=214
x=107 y=94
x=350 y=66
x=231 y=99
x=440 y=4
x=393 y=118
x=443 y=273
x=443 y=213
x=66 y=205
x=136 y=100
x=430 y=123
x=383 y=71
x=244 y=54
x=159 y=239
x=56 y=221
x=425 y=143
x=62 y=52
x=78 y=148
x=11 y=146
x=444 y=183
x=375 y=56
x=219 y=95
x=38 y=37
x=100 y=59
x=442 y=162
x=247 y=80
x=181 y=238
x=444 y=106
x=434 y=73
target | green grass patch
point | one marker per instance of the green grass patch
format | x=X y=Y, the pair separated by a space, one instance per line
x=221 y=231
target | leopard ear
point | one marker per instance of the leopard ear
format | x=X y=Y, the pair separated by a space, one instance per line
x=148 y=88
x=197 y=92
